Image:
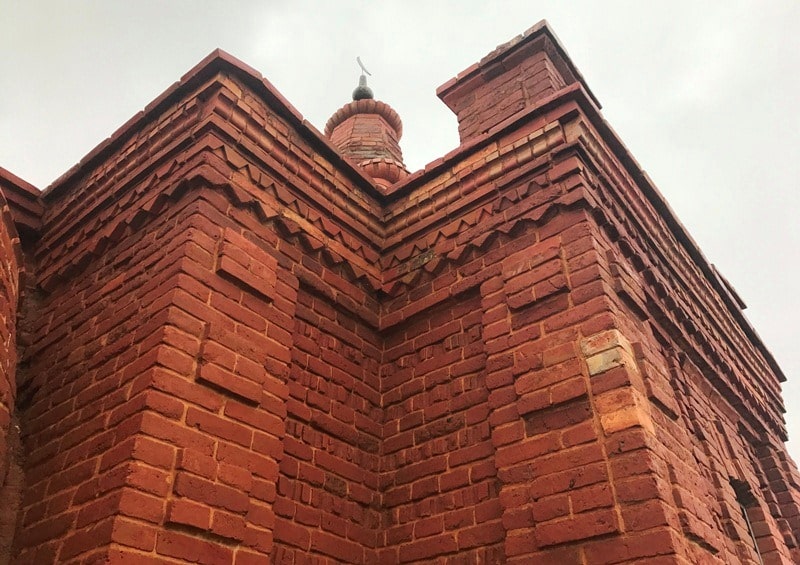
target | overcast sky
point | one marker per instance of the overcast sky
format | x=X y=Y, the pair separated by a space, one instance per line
x=704 y=94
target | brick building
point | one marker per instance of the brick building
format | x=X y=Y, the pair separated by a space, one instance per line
x=226 y=337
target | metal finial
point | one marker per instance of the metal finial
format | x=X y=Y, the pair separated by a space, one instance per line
x=363 y=68
x=362 y=91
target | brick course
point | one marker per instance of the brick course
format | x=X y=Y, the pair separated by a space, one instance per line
x=244 y=343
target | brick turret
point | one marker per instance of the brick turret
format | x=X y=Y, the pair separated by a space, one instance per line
x=368 y=131
x=519 y=74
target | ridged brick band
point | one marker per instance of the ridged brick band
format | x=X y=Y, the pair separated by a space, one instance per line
x=386 y=169
x=366 y=106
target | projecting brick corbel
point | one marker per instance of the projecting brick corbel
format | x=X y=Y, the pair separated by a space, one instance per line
x=247 y=264
x=534 y=279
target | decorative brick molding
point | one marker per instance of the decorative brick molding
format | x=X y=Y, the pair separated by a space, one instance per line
x=245 y=262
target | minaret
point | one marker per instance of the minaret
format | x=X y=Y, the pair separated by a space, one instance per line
x=368 y=131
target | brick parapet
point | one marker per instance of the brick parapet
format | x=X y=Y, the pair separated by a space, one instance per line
x=517 y=75
x=93 y=211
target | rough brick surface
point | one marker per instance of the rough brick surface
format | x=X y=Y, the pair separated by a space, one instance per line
x=368 y=132
x=238 y=347
x=10 y=471
x=517 y=75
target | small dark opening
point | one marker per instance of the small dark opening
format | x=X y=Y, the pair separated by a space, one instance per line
x=745 y=498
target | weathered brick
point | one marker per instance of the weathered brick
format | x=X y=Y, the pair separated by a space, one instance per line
x=189 y=513
x=579 y=526
x=192 y=549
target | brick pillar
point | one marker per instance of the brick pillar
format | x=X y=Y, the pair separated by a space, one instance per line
x=172 y=415
x=783 y=479
x=569 y=420
x=638 y=478
x=215 y=422
x=10 y=471
x=230 y=313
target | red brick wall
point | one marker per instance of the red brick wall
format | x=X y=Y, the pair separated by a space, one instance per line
x=441 y=489
x=159 y=362
x=328 y=501
x=501 y=94
x=10 y=476
x=705 y=444
x=243 y=350
x=159 y=429
x=708 y=392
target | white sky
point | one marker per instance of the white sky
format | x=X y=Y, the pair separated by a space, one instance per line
x=704 y=94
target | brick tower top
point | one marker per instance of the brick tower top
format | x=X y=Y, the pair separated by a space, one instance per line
x=368 y=131
x=518 y=74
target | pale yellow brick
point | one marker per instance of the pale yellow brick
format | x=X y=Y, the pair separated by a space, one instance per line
x=609 y=359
